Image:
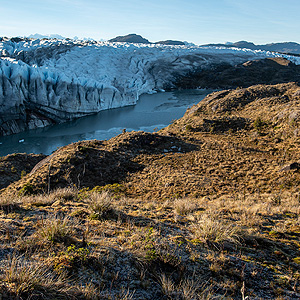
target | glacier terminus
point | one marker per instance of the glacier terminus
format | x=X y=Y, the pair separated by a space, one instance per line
x=47 y=81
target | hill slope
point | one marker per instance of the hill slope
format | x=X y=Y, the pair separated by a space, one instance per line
x=224 y=76
x=206 y=208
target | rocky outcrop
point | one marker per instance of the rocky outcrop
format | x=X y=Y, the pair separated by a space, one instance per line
x=24 y=121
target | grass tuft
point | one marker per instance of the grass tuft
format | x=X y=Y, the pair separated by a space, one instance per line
x=184 y=206
x=210 y=229
x=32 y=280
x=101 y=206
x=64 y=194
x=57 y=229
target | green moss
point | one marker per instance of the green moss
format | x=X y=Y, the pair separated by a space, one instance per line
x=151 y=255
x=196 y=241
x=115 y=188
x=189 y=128
x=297 y=260
x=83 y=149
x=27 y=189
x=259 y=124
x=77 y=254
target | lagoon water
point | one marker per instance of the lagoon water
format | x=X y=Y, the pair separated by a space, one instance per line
x=152 y=112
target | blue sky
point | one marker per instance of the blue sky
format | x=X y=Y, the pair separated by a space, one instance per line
x=198 y=21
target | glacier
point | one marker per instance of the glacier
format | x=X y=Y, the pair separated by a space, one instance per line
x=51 y=81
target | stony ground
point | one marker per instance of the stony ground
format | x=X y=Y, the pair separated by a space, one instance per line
x=207 y=208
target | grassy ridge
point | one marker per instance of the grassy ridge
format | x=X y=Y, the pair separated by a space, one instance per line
x=207 y=208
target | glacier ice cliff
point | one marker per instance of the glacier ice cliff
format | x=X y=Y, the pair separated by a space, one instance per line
x=50 y=81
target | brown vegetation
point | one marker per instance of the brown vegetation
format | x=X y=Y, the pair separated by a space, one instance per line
x=208 y=208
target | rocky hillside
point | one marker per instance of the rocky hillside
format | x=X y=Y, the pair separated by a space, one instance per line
x=285 y=47
x=17 y=165
x=207 y=208
x=257 y=120
x=224 y=76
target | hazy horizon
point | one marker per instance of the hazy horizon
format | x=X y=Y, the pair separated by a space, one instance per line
x=58 y=36
x=195 y=21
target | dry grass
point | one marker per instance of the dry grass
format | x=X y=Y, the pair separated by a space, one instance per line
x=33 y=280
x=184 y=206
x=214 y=230
x=224 y=209
x=64 y=194
x=38 y=200
x=57 y=229
x=149 y=238
x=100 y=205
x=4 y=228
x=9 y=204
x=187 y=289
x=167 y=286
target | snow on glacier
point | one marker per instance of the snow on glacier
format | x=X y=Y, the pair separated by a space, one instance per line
x=67 y=78
x=127 y=65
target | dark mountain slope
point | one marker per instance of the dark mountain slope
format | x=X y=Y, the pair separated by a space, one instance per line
x=263 y=71
x=285 y=47
x=130 y=38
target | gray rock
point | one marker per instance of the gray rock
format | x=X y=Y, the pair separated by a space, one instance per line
x=291 y=166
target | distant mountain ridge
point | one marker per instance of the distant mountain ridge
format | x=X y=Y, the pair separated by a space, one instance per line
x=284 y=47
x=138 y=39
x=170 y=42
x=47 y=36
x=130 y=38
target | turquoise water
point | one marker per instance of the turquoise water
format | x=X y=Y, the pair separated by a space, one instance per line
x=152 y=112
